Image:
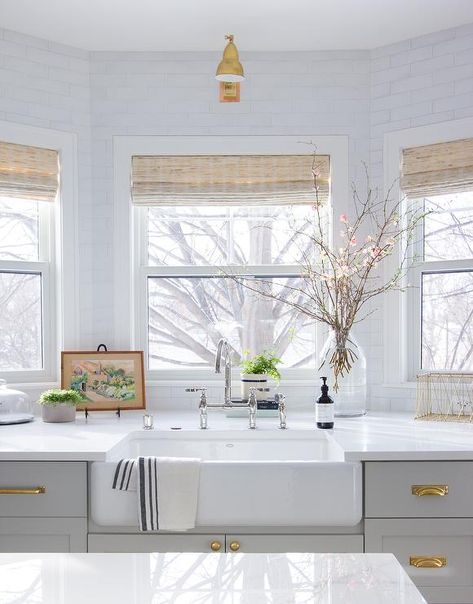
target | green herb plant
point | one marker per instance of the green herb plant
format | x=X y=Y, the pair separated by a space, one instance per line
x=56 y=397
x=264 y=363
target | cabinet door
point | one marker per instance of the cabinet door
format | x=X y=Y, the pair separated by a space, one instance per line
x=131 y=543
x=43 y=535
x=294 y=543
x=437 y=553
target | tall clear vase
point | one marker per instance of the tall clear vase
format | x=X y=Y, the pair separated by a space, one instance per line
x=350 y=397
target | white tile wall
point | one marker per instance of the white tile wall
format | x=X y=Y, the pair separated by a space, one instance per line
x=101 y=94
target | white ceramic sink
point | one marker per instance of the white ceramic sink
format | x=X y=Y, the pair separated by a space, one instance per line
x=247 y=478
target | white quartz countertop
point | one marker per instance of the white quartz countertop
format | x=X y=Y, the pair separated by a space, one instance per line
x=376 y=437
x=205 y=578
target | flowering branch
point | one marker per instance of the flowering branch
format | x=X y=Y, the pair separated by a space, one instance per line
x=338 y=282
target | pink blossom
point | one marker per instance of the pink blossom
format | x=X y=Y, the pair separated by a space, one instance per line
x=375 y=251
x=343 y=218
x=353 y=241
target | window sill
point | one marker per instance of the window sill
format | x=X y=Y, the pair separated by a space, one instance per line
x=404 y=385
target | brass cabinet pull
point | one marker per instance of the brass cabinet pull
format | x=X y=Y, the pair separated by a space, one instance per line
x=215 y=546
x=429 y=490
x=428 y=561
x=234 y=546
x=32 y=491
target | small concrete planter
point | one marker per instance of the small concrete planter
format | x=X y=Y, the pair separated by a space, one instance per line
x=62 y=412
x=254 y=380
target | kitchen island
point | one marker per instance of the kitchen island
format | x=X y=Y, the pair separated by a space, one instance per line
x=185 y=578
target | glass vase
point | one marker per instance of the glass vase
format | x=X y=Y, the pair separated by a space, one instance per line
x=350 y=394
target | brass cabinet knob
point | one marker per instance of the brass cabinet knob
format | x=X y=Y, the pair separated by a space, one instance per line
x=215 y=546
x=428 y=561
x=234 y=546
x=429 y=490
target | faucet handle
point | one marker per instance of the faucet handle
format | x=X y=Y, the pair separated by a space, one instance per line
x=280 y=399
x=203 y=396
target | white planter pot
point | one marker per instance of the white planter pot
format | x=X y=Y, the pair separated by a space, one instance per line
x=62 y=412
x=255 y=380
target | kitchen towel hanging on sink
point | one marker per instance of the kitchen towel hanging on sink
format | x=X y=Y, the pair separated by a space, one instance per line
x=167 y=490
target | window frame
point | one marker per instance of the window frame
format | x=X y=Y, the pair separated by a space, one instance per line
x=57 y=254
x=130 y=228
x=402 y=309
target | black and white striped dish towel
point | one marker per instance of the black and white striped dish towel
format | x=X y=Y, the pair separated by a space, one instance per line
x=167 y=489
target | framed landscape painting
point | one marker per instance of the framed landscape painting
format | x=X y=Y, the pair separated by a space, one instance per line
x=107 y=380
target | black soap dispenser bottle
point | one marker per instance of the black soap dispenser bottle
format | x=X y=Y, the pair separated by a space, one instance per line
x=324 y=408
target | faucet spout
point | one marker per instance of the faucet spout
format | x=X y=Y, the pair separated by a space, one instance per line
x=223 y=351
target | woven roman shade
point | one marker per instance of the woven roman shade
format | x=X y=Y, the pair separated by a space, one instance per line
x=183 y=180
x=28 y=172
x=438 y=169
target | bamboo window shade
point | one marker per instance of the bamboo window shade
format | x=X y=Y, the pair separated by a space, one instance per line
x=183 y=180
x=438 y=169
x=28 y=172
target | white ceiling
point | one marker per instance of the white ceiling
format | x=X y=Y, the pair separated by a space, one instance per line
x=263 y=25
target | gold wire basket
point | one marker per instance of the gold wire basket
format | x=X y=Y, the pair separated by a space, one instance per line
x=445 y=397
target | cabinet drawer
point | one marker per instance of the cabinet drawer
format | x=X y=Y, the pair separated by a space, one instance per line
x=436 y=541
x=295 y=543
x=131 y=543
x=442 y=489
x=45 y=489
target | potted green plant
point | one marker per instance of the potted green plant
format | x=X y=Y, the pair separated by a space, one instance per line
x=255 y=372
x=59 y=405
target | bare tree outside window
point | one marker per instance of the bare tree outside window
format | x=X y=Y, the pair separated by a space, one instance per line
x=447 y=283
x=20 y=288
x=188 y=315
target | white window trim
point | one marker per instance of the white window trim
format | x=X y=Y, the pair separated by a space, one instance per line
x=400 y=316
x=61 y=308
x=129 y=302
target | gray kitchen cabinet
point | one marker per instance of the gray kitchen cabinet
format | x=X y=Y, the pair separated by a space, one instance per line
x=419 y=489
x=422 y=513
x=43 y=534
x=43 y=506
x=43 y=488
x=437 y=553
x=250 y=543
x=131 y=542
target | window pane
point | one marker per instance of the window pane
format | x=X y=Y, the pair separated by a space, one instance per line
x=448 y=229
x=187 y=317
x=20 y=321
x=227 y=235
x=447 y=321
x=19 y=230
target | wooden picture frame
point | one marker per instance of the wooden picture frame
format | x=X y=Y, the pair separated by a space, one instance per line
x=109 y=380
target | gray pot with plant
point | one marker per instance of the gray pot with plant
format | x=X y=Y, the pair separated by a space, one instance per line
x=58 y=406
x=255 y=372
